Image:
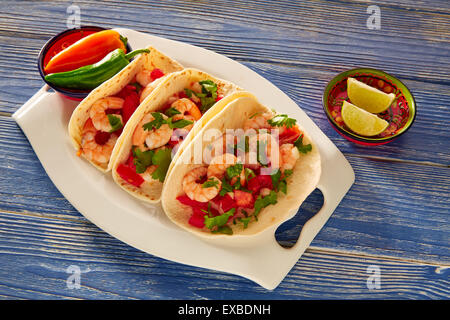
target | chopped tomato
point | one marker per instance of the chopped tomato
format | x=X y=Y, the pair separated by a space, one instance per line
x=197 y=220
x=130 y=105
x=244 y=199
x=192 y=203
x=126 y=91
x=195 y=112
x=224 y=202
x=182 y=95
x=259 y=182
x=289 y=135
x=129 y=175
x=219 y=98
x=156 y=74
x=130 y=162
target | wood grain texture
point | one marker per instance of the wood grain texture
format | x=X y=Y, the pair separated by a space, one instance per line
x=40 y=250
x=395 y=216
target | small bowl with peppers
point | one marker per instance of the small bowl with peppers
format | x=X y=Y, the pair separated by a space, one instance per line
x=76 y=61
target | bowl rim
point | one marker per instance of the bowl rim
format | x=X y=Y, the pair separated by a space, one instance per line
x=40 y=60
x=412 y=106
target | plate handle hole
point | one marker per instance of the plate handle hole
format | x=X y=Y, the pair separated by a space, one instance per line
x=288 y=232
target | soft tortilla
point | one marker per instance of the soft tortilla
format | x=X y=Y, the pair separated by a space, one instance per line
x=151 y=60
x=300 y=184
x=173 y=84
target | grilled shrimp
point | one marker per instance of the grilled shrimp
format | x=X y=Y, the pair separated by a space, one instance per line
x=195 y=190
x=151 y=139
x=144 y=77
x=92 y=150
x=184 y=106
x=259 y=121
x=98 y=115
x=219 y=164
x=149 y=88
x=289 y=155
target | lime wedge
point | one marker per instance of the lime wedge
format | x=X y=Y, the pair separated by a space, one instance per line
x=362 y=122
x=367 y=97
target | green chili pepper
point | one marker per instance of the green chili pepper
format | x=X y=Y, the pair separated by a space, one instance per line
x=91 y=76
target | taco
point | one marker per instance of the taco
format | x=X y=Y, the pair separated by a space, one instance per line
x=157 y=132
x=256 y=168
x=100 y=118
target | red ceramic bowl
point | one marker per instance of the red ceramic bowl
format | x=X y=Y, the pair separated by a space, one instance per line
x=400 y=115
x=56 y=44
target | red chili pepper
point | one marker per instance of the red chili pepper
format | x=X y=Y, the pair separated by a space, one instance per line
x=86 y=51
x=129 y=175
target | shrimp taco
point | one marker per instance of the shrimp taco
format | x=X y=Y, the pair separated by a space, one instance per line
x=100 y=118
x=166 y=121
x=256 y=167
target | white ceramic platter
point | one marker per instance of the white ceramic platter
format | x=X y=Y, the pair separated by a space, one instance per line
x=145 y=226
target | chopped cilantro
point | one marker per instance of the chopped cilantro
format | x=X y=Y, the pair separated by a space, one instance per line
x=171 y=112
x=189 y=92
x=282 y=120
x=142 y=159
x=245 y=221
x=162 y=159
x=218 y=221
x=156 y=123
x=208 y=96
x=211 y=182
x=179 y=123
x=224 y=230
x=115 y=122
x=249 y=174
x=276 y=178
x=262 y=202
x=301 y=147
x=282 y=186
x=226 y=187
x=288 y=172
x=234 y=170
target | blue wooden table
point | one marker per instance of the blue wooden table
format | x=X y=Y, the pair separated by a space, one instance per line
x=394 y=222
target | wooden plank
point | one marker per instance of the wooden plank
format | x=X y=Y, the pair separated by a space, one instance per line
x=256 y=33
x=40 y=250
x=394 y=209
